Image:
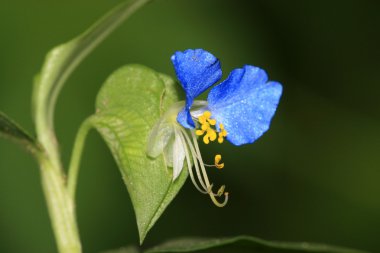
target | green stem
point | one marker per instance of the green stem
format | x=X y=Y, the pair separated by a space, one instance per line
x=60 y=207
x=59 y=65
x=76 y=156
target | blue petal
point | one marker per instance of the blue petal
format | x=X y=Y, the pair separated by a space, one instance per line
x=196 y=70
x=245 y=104
x=184 y=116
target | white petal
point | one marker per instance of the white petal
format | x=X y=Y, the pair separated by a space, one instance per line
x=159 y=138
x=163 y=131
x=168 y=152
x=178 y=154
x=198 y=108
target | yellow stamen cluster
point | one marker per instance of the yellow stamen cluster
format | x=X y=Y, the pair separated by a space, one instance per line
x=208 y=129
x=210 y=133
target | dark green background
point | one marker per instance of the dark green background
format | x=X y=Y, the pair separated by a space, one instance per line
x=315 y=176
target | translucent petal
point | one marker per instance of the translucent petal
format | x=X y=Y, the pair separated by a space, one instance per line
x=163 y=131
x=159 y=137
x=178 y=154
x=245 y=104
x=168 y=152
x=196 y=70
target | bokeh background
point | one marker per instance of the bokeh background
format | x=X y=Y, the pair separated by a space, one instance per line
x=315 y=176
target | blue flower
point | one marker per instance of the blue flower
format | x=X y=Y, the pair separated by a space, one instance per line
x=244 y=103
x=239 y=109
x=196 y=70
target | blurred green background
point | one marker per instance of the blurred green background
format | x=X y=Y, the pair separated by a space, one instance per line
x=315 y=176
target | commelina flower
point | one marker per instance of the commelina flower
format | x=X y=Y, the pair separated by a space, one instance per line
x=239 y=109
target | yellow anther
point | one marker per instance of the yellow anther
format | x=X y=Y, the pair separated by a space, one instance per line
x=199 y=132
x=212 y=134
x=205 y=139
x=207 y=114
x=205 y=126
x=219 y=165
x=222 y=130
x=222 y=133
x=212 y=122
x=202 y=119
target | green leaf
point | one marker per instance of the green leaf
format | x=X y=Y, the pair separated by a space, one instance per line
x=62 y=60
x=246 y=244
x=129 y=104
x=10 y=130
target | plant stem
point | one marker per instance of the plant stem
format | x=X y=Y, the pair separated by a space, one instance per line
x=59 y=64
x=76 y=156
x=60 y=204
x=60 y=207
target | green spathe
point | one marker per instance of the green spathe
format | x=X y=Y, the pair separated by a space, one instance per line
x=128 y=105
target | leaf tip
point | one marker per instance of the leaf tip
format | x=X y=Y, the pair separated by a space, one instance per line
x=142 y=235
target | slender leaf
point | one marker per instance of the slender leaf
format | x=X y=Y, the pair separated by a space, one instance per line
x=246 y=244
x=10 y=130
x=128 y=105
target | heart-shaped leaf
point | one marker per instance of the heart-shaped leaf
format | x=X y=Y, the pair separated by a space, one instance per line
x=128 y=105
